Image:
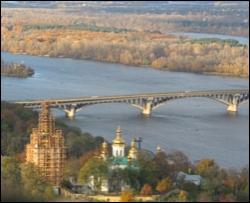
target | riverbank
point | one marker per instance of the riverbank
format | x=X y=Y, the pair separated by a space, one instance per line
x=141 y=66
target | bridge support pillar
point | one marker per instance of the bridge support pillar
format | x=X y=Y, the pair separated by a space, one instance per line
x=147 y=108
x=70 y=113
x=232 y=107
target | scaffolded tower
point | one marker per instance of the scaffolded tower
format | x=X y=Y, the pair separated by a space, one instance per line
x=46 y=149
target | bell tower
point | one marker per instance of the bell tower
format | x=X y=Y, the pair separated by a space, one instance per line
x=118 y=145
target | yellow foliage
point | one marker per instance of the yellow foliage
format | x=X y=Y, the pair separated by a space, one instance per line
x=204 y=166
x=183 y=195
x=127 y=196
x=164 y=185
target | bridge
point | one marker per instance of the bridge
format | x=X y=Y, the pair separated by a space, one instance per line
x=145 y=102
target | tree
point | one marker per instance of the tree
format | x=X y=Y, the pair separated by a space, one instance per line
x=34 y=183
x=10 y=170
x=180 y=161
x=127 y=196
x=191 y=188
x=164 y=185
x=146 y=189
x=126 y=57
x=204 y=197
x=206 y=167
x=226 y=198
x=160 y=62
x=243 y=193
x=10 y=179
x=183 y=195
x=96 y=168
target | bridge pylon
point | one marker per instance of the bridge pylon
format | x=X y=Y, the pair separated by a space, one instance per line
x=70 y=113
x=232 y=108
x=234 y=102
x=147 y=107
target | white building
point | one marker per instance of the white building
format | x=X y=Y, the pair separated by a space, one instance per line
x=196 y=179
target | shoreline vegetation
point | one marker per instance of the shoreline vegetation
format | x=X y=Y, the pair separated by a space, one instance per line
x=15 y=70
x=144 y=66
x=64 y=34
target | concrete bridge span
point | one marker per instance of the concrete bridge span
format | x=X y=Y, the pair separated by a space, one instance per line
x=145 y=102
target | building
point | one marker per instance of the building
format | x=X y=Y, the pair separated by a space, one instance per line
x=118 y=160
x=46 y=148
x=195 y=179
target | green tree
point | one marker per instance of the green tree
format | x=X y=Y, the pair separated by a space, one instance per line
x=10 y=179
x=10 y=170
x=95 y=167
x=34 y=183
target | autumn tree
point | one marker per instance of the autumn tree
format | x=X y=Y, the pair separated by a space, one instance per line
x=183 y=196
x=164 y=185
x=127 y=196
x=206 y=167
x=160 y=62
x=146 y=190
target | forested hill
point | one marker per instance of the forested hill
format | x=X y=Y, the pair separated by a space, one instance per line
x=17 y=123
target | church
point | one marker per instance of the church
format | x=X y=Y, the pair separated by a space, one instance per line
x=117 y=161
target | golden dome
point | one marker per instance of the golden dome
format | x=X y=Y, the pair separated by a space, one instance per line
x=118 y=137
x=133 y=145
x=104 y=150
x=104 y=145
x=158 y=149
x=133 y=150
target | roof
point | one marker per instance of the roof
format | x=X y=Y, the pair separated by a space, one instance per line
x=119 y=160
x=123 y=161
x=189 y=177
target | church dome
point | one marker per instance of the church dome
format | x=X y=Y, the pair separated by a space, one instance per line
x=118 y=137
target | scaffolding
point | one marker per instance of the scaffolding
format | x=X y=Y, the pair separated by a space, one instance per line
x=46 y=149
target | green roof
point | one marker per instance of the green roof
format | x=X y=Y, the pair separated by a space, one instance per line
x=119 y=160
x=116 y=161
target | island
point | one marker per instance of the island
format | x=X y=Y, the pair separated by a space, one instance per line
x=15 y=70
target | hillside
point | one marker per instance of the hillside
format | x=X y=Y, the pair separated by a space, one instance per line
x=16 y=126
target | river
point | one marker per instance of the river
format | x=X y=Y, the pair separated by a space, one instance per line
x=199 y=127
x=194 y=35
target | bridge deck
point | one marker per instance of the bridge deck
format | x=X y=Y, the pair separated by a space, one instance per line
x=136 y=96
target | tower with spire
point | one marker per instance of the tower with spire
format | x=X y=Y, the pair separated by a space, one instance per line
x=118 y=145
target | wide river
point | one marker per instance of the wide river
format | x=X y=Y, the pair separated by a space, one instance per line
x=199 y=127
